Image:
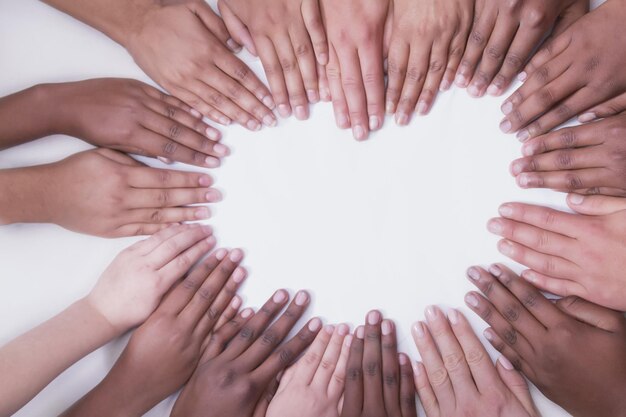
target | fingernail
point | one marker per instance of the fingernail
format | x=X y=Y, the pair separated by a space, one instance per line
x=195 y=113
x=313 y=96
x=529 y=276
x=389 y=107
x=373 y=317
x=402 y=119
x=213 y=196
x=422 y=108
x=348 y=341
x=460 y=80
x=323 y=57
x=220 y=254
x=211 y=162
x=418 y=329
x=358 y=132
x=342 y=329
x=516 y=168
x=236 y=303
x=253 y=125
x=220 y=149
x=402 y=359
x=239 y=274
x=523 y=180
x=212 y=134
x=494 y=226
x=417 y=368
x=493 y=90
x=211 y=241
x=301 y=113
x=386 y=327
x=232 y=45
x=522 y=76
x=495 y=271
x=505 y=248
x=473 y=91
x=315 y=324
x=586 y=117
x=236 y=255
x=453 y=316
x=279 y=296
x=528 y=149
x=269 y=121
x=523 y=135
x=507 y=108
x=445 y=85
x=505 y=363
x=302 y=298
x=269 y=102
x=575 y=199
x=166 y=161
x=505 y=210
x=505 y=126
x=284 y=110
x=374 y=123
x=342 y=121
x=471 y=300
x=360 y=332
x=431 y=313
x=202 y=213
x=473 y=274
x=325 y=94
x=488 y=333
x=329 y=328
x=246 y=313
x=224 y=120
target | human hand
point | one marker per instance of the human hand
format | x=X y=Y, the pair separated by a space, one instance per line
x=428 y=38
x=573 y=351
x=134 y=117
x=572 y=73
x=106 y=193
x=185 y=49
x=239 y=378
x=355 y=67
x=457 y=377
x=568 y=254
x=379 y=381
x=130 y=289
x=313 y=386
x=504 y=36
x=586 y=159
x=287 y=35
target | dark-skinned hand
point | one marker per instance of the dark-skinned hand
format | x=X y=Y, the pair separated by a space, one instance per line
x=572 y=350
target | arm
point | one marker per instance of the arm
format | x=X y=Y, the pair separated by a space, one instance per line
x=22 y=199
x=31 y=361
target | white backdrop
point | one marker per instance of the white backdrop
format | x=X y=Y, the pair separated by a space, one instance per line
x=391 y=223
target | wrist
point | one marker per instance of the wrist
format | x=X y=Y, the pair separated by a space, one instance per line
x=97 y=309
x=23 y=196
x=129 y=33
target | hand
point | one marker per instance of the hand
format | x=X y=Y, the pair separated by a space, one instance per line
x=427 y=41
x=504 y=36
x=239 y=378
x=184 y=48
x=355 y=68
x=133 y=117
x=286 y=34
x=587 y=159
x=379 y=380
x=572 y=73
x=314 y=385
x=457 y=377
x=106 y=193
x=130 y=289
x=569 y=254
x=573 y=351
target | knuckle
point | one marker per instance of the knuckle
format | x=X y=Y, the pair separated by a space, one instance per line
x=438 y=377
x=436 y=66
x=302 y=50
x=530 y=299
x=156 y=216
x=514 y=61
x=163 y=198
x=170 y=147
x=354 y=373
x=494 y=53
x=390 y=379
x=415 y=75
x=174 y=131
x=246 y=333
x=170 y=112
x=241 y=72
x=372 y=368
x=285 y=356
x=510 y=335
x=288 y=64
x=567 y=138
x=269 y=338
x=564 y=160
x=511 y=313
x=475 y=356
x=574 y=182
x=477 y=38
x=453 y=362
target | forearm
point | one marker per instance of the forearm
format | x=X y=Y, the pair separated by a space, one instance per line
x=23 y=195
x=115 y=18
x=33 y=360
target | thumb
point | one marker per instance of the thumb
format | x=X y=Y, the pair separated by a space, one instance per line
x=236 y=27
x=595 y=204
x=264 y=402
x=570 y=15
x=593 y=314
x=214 y=24
x=516 y=383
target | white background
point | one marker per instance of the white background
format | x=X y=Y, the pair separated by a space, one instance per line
x=391 y=223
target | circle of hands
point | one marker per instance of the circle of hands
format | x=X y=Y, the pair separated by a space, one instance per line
x=392 y=58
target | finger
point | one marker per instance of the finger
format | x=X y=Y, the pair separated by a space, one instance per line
x=551 y=49
x=148 y=245
x=413 y=84
x=569 y=16
x=354 y=90
x=371 y=61
x=288 y=352
x=340 y=105
x=425 y=391
x=180 y=265
x=397 y=63
x=215 y=25
x=438 y=61
x=455 y=53
x=168 y=103
x=593 y=314
x=271 y=338
x=168 y=215
x=562 y=160
x=217 y=341
x=236 y=28
x=353 y=396
x=566 y=138
x=390 y=368
x=171 y=197
x=275 y=77
x=170 y=249
x=293 y=77
x=312 y=16
x=476 y=357
x=595 y=204
x=479 y=35
x=407 y=387
x=516 y=383
x=261 y=408
x=560 y=286
x=301 y=45
x=251 y=331
x=165 y=178
x=324 y=89
x=308 y=365
x=566 y=180
x=138 y=229
x=230 y=312
x=609 y=108
x=338 y=380
x=200 y=100
x=503 y=328
x=542 y=217
x=326 y=368
x=372 y=362
x=600 y=191
x=511 y=355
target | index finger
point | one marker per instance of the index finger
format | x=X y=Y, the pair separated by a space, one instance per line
x=372 y=362
x=353 y=395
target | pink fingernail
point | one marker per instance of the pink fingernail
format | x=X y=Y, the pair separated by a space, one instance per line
x=493 y=90
x=211 y=162
x=236 y=303
x=213 y=195
x=387 y=327
x=313 y=96
x=471 y=300
x=195 y=113
x=529 y=276
x=220 y=254
x=246 y=313
x=506 y=108
x=402 y=359
x=301 y=113
x=358 y=132
x=329 y=329
x=522 y=76
x=373 y=317
x=418 y=329
x=239 y=274
x=505 y=363
x=473 y=91
x=212 y=134
x=473 y=274
x=495 y=271
x=202 y=213
x=523 y=135
x=374 y=123
x=269 y=121
x=505 y=126
x=505 y=210
x=505 y=247
x=220 y=149
x=315 y=324
x=360 y=332
x=402 y=119
x=445 y=85
x=342 y=329
x=302 y=298
x=586 y=117
x=495 y=226
x=342 y=121
x=279 y=296
x=253 y=125
x=431 y=313
x=284 y=110
x=205 y=181
x=575 y=199
x=236 y=255
x=453 y=316
x=348 y=341
x=422 y=108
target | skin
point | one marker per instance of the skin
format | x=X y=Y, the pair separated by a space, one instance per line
x=286 y=35
x=117 y=303
x=587 y=159
x=568 y=254
x=574 y=72
x=355 y=67
x=240 y=378
x=313 y=386
x=104 y=193
x=457 y=377
x=163 y=352
x=121 y=114
x=186 y=49
x=572 y=350
x=427 y=42
x=504 y=36
x=379 y=381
